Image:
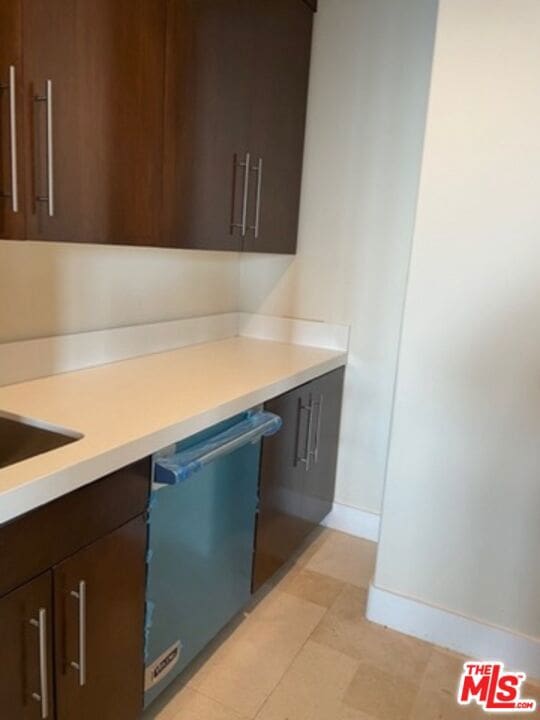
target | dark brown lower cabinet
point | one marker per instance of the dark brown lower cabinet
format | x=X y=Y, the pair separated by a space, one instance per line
x=325 y=396
x=79 y=656
x=298 y=469
x=99 y=618
x=26 y=658
x=72 y=594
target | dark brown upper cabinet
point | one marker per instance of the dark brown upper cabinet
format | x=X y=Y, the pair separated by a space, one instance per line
x=282 y=41
x=207 y=105
x=235 y=104
x=88 y=80
x=11 y=99
x=93 y=119
x=153 y=122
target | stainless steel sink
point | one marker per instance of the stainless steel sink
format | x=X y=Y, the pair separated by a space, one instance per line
x=23 y=438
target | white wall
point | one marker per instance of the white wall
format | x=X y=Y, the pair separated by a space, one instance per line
x=370 y=74
x=461 y=517
x=51 y=289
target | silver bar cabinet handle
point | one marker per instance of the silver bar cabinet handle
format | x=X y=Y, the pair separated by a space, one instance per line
x=43 y=696
x=306 y=458
x=258 y=168
x=245 y=194
x=13 y=139
x=11 y=86
x=318 y=429
x=48 y=100
x=80 y=596
x=246 y=165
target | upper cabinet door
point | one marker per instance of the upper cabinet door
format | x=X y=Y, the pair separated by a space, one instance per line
x=11 y=112
x=93 y=119
x=209 y=72
x=281 y=32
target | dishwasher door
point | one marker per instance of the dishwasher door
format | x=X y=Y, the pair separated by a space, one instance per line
x=201 y=535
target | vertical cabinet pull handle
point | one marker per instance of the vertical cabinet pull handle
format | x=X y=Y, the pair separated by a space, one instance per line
x=12 y=88
x=246 y=165
x=80 y=665
x=258 y=168
x=13 y=139
x=48 y=100
x=43 y=696
x=317 y=439
x=306 y=457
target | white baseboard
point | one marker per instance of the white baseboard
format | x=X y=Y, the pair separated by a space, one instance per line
x=353 y=521
x=469 y=637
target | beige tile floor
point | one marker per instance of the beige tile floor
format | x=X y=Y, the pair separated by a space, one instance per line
x=304 y=651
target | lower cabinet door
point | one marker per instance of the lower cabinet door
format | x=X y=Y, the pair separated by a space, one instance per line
x=298 y=471
x=99 y=627
x=26 y=658
x=281 y=521
x=325 y=397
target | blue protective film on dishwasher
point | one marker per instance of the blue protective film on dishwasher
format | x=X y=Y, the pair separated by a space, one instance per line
x=201 y=535
x=178 y=467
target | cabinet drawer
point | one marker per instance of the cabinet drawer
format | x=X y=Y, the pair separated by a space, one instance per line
x=43 y=537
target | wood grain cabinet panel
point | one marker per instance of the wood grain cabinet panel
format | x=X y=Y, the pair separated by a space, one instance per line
x=12 y=219
x=24 y=675
x=86 y=556
x=298 y=471
x=281 y=524
x=235 y=104
x=207 y=106
x=105 y=63
x=102 y=588
x=281 y=32
x=154 y=122
x=70 y=522
x=325 y=397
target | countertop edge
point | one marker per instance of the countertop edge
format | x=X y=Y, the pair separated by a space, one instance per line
x=44 y=489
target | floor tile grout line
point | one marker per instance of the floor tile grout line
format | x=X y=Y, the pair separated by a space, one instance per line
x=289 y=664
x=301 y=564
x=310 y=636
x=259 y=711
x=220 y=703
x=326 y=611
x=276 y=588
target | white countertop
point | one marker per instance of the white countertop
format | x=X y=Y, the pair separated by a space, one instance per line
x=130 y=409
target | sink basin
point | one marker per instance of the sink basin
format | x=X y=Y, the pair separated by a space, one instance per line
x=23 y=438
